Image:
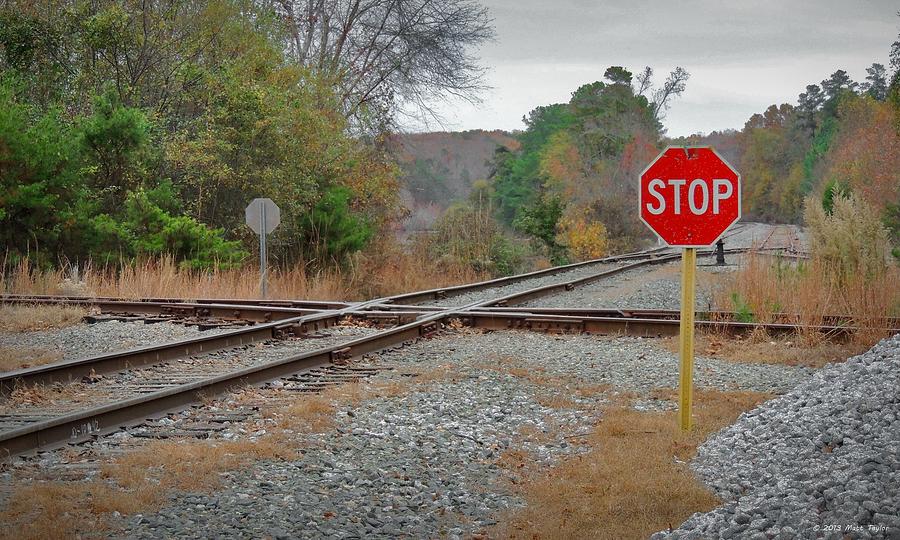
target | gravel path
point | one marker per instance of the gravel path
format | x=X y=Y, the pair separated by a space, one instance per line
x=655 y=287
x=821 y=461
x=83 y=340
x=520 y=286
x=429 y=462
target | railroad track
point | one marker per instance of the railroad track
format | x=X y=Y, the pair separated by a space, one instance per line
x=292 y=320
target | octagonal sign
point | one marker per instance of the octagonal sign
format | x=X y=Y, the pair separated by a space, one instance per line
x=689 y=196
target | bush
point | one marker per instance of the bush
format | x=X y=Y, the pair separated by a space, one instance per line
x=850 y=241
x=541 y=221
x=331 y=230
x=146 y=230
x=585 y=239
x=469 y=235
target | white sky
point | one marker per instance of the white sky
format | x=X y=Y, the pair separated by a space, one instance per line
x=742 y=56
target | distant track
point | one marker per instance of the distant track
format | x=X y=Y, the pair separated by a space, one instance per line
x=284 y=319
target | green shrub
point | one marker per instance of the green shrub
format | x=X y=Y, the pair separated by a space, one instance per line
x=148 y=230
x=742 y=311
x=331 y=230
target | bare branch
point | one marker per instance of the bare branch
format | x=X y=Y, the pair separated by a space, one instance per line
x=385 y=55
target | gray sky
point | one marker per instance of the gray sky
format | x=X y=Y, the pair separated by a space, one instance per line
x=742 y=55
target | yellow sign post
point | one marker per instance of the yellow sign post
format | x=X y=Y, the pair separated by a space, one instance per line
x=686 y=349
x=689 y=196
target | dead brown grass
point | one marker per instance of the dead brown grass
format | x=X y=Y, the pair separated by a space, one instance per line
x=631 y=483
x=312 y=413
x=29 y=318
x=53 y=510
x=141 y=479
x=184 y=464
x=137 y=481
x=809 y=293
x=556 y=387
x=12 y=358
x=385 y=269
x=45 y=395
x=850 y=273
x=766 y=350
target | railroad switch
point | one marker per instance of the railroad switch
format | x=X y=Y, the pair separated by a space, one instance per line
x=341 y=356
x=428 y=328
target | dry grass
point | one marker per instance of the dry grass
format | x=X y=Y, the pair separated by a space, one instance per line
x=42 y=395
x=29 y=318
x=12 y=358
x=54 y=510
x=809 y=292
x=137 y=481
x=850 y=273
x=765 y=350
x=385 y=269
x=141 y=479
x=631 y=483
x=555 y=387
x=184 y=464
x=311 y=413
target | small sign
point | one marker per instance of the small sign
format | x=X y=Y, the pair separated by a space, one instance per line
x=263 y=215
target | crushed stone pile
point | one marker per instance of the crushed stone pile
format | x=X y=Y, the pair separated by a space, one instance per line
x=822 y=461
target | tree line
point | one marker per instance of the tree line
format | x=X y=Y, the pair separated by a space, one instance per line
x=131 y=129
x=571 y=186
x=841 y=136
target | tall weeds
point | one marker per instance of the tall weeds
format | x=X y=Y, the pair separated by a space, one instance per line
x=385 y=269
x=849 y=273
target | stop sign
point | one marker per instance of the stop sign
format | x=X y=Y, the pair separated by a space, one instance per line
x=689 y=196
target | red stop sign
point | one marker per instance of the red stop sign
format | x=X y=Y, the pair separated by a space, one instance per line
x=689 y=196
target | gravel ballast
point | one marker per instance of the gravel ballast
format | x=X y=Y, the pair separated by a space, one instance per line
x=821 y=461
x=521 y=286
x=83 y=340
x=427 y=463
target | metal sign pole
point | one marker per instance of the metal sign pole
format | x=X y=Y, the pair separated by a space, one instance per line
x=263 y=278
x=686 y=384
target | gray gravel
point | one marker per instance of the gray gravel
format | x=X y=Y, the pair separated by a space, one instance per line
x=117 y=386
x=425 y=464
x=645 y=292
x=83 y=340
x=820 y=461
x=520 y=286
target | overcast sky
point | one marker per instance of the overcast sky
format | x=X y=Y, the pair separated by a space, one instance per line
x=742 y=56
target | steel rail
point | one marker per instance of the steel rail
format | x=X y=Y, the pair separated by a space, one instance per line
x=39 y=299
x=637 y=326
x=442 y=293
x=96 y=421
x=69 y=370
x=85 y=424
x=79 y=426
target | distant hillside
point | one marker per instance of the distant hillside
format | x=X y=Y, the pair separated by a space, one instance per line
x=439 y=168
x=727 y=143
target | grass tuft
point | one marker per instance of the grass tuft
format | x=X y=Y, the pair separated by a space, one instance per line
x=632 y=482
x=13 y=358
x=30 y=318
